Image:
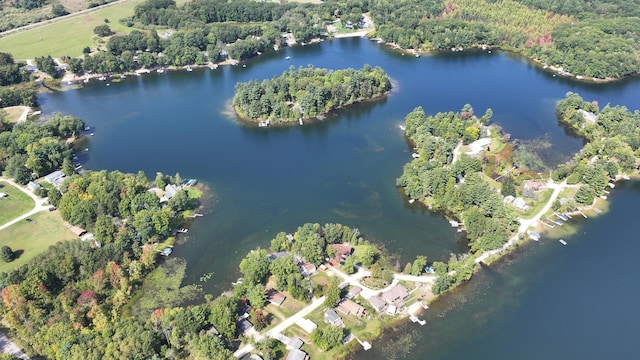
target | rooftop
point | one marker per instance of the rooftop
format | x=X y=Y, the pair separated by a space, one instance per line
x=398 y=292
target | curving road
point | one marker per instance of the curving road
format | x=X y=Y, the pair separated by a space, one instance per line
x=39 y=204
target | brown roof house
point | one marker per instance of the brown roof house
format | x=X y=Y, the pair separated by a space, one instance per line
x=377 y=303
x=308 y=269
x=78 y=231
x=274 y=297
x=349 y=307
x=341 y=251
x=396 y=293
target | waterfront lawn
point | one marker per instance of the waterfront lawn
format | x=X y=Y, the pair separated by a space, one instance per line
x=30 y=239
x=68 y=36
x=15 y=204
x=535 y=207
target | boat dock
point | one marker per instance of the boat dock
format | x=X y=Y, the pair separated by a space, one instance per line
x=415 y=319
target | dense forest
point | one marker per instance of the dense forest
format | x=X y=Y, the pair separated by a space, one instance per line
x=14 y=86
x=613 y=135
x=586 y=38
x=29 y=150
x=458 y=188
x=308 y=92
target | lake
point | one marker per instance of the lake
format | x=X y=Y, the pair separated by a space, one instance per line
x=344 y=169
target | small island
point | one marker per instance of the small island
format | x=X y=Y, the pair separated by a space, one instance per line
x=307 y=93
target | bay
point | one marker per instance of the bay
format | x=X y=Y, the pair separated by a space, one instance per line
x=340 y=170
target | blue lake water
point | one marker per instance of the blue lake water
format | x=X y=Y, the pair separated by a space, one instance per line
x=344 y=169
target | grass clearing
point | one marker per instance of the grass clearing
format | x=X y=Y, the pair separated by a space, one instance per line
x=68 y=36
x=13 y=113
x=31 y=239
x=15 y=204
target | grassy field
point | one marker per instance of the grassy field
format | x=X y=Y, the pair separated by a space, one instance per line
x=13 y=113
x=68 y=36
x=32 y=239
x=14 y=205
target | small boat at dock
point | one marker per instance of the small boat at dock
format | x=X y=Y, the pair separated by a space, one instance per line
x=166 y=251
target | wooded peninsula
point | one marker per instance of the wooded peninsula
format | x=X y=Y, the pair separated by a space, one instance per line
x=307 y=93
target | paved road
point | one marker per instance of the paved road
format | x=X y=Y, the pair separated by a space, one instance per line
x=82 y=12
x=526 y=223
x=423 y=278
x=39 y=204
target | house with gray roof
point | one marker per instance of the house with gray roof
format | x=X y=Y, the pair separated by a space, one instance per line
x=332 y=317
x=297 y=354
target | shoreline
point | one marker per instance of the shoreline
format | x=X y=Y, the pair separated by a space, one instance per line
x=310 y=120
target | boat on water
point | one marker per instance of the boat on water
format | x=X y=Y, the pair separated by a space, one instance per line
x=562 y=242
x=411 y=201
x=160 y=71
x=287 y=57
x=300 y=121
x=189 y=68
x=417 y=55
x=102 y=78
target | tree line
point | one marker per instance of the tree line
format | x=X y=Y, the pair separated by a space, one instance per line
x=29 y=150
x=308 y=92
x=613 y=135
x=587 y=38
x=14 y=86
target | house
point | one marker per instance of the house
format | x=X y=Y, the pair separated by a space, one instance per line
x=3 y=195
x=535 y=185
x=308 y=269
x=77 y=231
x=54 y=177
x=297 y=354
x=509 y=199
x=294 y=343
x=170 y=191
x=377 y=303
x=396 y=293
x=33 y=186
x=353 y=292
x=307 y=325
x=391 y=309
x=332 y=317
x=349 y=307
x=244 y=325
x=274 y=297
x=520 y=204
x=341 y=251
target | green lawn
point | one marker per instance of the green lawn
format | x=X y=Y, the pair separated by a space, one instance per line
x=32 y=239
x=68 y=36
x=14 y=205
x=534 y=209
